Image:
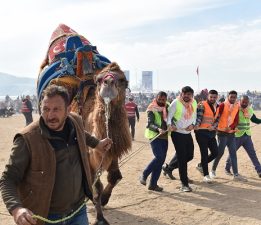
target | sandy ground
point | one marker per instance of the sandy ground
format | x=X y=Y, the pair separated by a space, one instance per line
x=224 y=202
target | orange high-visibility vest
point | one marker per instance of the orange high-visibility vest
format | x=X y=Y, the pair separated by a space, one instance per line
x=208 y=116
x=227 y=117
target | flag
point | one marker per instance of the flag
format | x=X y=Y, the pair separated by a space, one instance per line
x=197 y=71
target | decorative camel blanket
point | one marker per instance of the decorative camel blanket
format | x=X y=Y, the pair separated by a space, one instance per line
x=58 y=41
x=70 y=54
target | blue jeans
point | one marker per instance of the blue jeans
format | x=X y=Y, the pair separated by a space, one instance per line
x=159 y=149
x=79 y=219
x=223 y=142
x=247 y=144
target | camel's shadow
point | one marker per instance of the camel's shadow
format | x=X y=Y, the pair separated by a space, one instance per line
x=115 y=216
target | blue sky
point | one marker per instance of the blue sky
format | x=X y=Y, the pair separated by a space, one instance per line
x=169 y=37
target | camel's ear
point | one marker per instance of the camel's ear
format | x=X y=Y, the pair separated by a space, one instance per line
x=114 y=66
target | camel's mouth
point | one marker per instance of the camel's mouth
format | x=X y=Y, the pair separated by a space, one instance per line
x=108 y=88
x=108 y=93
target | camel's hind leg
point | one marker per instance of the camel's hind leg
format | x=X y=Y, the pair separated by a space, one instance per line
x=114 y=176
x=100 y=220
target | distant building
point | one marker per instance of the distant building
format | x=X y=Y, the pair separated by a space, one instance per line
x=147 y=81
x=127 y=74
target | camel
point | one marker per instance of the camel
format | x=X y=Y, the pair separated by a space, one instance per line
x=111 y=85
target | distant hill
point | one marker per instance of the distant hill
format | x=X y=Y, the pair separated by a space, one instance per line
x=13 y=86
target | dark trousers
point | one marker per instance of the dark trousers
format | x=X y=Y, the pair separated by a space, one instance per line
x=132 y=122
x=206 y=142
x=184 y=146
x=28 y=118
x=246 y=142
x=159 y=149
x=228 y=141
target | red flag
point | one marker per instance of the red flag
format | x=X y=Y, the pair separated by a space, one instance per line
x=197 y=71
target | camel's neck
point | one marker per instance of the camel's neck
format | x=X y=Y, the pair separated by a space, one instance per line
x=118 y=128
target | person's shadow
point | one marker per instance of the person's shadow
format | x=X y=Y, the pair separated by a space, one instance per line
x=225 y=198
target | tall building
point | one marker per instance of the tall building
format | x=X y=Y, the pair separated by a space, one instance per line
x=127 y=74
x=147 y=80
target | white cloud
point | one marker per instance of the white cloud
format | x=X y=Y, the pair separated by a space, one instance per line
x=93 y=16
x=229 y=49
x=224 y=52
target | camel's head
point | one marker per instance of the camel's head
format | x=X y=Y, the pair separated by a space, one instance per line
x=111 y=83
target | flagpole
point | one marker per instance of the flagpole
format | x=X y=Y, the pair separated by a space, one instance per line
x=198 y=78
x=198 y=84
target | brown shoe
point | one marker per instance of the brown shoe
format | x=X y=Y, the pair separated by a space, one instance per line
x=155 y=188
x=167 y=172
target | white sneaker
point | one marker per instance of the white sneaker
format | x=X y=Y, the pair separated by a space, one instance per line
x=207 y=179
x=185 y=188
x=239 y=177
x=212 y=174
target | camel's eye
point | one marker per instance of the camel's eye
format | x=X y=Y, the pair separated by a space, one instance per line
x=123 y=82
x=99 y=80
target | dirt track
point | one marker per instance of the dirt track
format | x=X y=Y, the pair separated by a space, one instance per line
x=224 y=202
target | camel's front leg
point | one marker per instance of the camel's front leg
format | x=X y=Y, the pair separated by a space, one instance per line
x=114 y=176
x=100 y=220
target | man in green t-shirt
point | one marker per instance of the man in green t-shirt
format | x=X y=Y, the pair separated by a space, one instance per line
x=243 y=135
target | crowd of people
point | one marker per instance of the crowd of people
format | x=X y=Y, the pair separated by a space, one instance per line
x=217 y=125
x=22 y=104
x=16 y=103
x=144 y=99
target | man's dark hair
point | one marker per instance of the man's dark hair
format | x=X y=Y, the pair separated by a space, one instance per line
x=232 y=92
x=54 y=90
x=245 y=97
x=187 y=89
x=162 y=94
x=213 y=92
